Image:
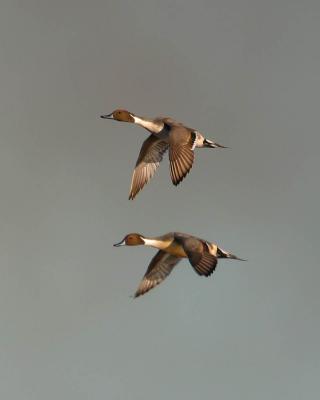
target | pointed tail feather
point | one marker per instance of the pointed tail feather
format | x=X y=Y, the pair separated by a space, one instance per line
x=225 y=254
x=220 y=145
x=213 y=145
x=233 y=257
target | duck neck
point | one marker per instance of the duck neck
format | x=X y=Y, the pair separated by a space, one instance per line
x=154 y=242
x=149 y=124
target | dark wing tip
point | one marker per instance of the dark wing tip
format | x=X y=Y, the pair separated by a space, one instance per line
x=179 y=171
x=177 y=180
x=133 y=192
x=145 y=289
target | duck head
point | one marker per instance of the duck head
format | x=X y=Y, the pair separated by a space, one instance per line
x=120 y=115
x=132 y=239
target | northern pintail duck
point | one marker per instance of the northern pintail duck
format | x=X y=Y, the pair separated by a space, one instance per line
x=165 y=133
x=202 y=255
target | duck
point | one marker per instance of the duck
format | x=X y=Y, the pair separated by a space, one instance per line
x=165 y=134
x=172 y=247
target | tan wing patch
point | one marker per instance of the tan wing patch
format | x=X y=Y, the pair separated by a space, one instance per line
x=150 y=156
x=159 y=268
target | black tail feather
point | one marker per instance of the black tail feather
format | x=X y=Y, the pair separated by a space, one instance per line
x=224 y=254
x=213 y=145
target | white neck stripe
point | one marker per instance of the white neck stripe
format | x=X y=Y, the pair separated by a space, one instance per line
x=147 y=124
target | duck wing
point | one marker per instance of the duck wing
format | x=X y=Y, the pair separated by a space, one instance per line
x=197 y=251
x=181 y=154
x=159 y=268
x=150 y=156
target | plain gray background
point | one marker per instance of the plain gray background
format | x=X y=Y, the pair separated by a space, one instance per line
x=244 y=72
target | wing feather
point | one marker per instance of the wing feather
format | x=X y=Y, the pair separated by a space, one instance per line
x=159 y=268
x=181 y=154
x=197 y=251
x=150 y=156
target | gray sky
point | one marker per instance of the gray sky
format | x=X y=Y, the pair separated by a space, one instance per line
x=246 y=73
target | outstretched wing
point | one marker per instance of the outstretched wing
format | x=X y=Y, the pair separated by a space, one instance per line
x=159 y=268
x=181 y=155
x=197 y=251
x=150 y=156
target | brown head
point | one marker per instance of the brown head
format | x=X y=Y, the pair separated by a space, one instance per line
x=132 y=239
x=120 y=115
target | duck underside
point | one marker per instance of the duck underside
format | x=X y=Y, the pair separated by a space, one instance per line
x=176 y=250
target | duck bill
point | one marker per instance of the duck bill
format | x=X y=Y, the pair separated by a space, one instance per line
x=107 y=116
x=122 y=243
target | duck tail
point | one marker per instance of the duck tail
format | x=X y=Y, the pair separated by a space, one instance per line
x=213 y=145
x=233 y=257
x=225 y=254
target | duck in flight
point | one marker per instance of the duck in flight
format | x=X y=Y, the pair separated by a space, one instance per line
x=203 y=256
x=166 y=133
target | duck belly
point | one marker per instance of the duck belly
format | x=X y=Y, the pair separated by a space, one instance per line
x=176 y=250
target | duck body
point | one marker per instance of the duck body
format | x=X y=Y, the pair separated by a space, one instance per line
x=172 y=243
x=163 y=127
x=168 y=244
x=173 y=246
x=165 y=134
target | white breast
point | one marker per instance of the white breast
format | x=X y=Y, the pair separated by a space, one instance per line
x=152 y=126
